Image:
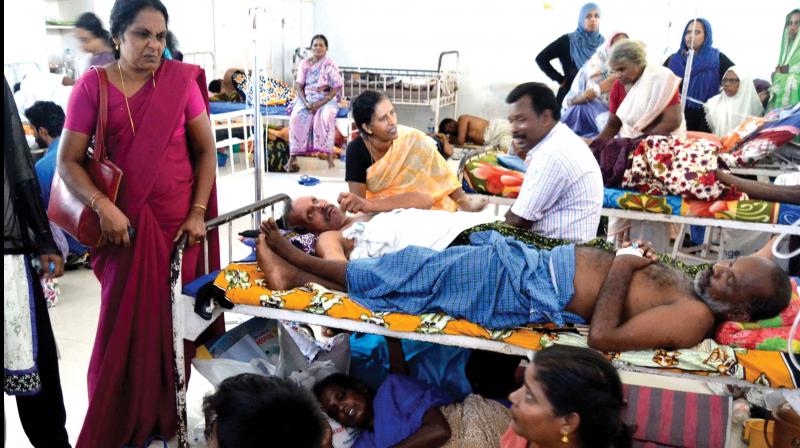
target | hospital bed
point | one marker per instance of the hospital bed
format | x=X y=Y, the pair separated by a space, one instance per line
x=236 y=120
x=409 y=87
x=245 y=293
x=784 y=161
x=753 y=215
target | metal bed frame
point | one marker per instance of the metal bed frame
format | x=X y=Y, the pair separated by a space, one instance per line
x=188 y=325
x=433 y=88
x=682 y=220
x=205 y=59
x=240 y=119
x=784 y=161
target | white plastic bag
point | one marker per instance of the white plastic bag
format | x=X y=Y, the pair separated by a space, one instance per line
x=217 y=370
x=316 y=371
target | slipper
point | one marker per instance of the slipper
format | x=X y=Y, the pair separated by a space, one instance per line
x=308 y=181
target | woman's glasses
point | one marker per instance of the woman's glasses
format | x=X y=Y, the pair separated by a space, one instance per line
x=733 y=81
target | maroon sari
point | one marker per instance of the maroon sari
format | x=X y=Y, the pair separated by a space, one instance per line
x=131 y=378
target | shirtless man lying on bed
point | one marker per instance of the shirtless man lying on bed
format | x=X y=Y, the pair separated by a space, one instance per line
x=385 y=224
x=631 y=301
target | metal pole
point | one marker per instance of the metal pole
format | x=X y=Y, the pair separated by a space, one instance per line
x=283 y=47
x=687 y=73
x=258 y=120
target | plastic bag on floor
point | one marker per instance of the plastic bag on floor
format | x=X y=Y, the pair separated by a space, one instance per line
x=217 y=370
x=315 y=371
x=263 y=332
x=284 y=349
x=336 y=349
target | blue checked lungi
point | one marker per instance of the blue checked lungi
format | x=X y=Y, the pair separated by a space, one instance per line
x=496 y=282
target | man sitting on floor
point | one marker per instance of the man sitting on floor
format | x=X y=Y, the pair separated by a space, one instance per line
x=631 y=302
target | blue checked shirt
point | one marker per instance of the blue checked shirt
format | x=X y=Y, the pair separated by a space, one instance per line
x=562 y=193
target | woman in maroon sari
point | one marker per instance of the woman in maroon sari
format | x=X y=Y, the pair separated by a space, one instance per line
x=159 y=134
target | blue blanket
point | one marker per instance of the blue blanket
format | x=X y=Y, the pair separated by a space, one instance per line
x=495 y=282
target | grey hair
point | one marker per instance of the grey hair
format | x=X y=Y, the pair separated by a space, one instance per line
x=628 y=50
x=283 y=222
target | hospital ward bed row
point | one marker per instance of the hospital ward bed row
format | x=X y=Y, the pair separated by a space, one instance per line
x=433 y=89
x=723 y=360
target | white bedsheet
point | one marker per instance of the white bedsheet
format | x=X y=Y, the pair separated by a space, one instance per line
x=392 y=231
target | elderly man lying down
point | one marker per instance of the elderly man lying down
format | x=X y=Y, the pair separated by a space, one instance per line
x=377 y=231
x=631 y=301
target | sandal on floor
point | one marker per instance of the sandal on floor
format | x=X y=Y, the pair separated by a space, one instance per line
x=307 y=180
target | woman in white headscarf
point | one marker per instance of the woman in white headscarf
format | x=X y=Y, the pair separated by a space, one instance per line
x=736 y=101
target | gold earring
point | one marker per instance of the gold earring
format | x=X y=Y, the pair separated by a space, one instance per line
x=116 y=47
x=564 y=438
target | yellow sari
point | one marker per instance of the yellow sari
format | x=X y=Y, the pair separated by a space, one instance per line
x=413 y=164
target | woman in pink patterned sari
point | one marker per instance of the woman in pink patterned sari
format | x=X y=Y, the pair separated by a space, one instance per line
x=312 y=126
x=159 y=134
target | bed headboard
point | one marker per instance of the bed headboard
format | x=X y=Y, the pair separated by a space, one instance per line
x=448 y=60
x=205 y=59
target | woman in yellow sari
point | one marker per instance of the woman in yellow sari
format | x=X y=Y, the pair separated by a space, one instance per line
x=397 y=166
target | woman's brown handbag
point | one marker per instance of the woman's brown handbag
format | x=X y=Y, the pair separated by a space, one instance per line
x=65 y=209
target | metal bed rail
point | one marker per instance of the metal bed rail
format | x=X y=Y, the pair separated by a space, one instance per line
x=402 y=86
x=230 y=120
x=205 y=59
x=435 y=88
x=176 y=294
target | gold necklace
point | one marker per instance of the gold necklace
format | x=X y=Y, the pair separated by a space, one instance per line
x=371 y=150
x=125 y=94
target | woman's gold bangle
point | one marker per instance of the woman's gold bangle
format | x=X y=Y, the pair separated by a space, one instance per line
x=200 y=206
x=94 y=199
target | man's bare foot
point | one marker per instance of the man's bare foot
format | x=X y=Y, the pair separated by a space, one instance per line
x=278 y=272
x=275 y=240
x=473 y=203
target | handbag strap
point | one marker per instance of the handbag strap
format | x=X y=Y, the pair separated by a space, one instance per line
x=99 y=151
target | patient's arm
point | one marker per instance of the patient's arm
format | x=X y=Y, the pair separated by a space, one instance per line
x=606 y=84
x=788 y=194
x=397 y=358
x=468 y=203
x=353 y=203
x=517 y=221
x=331 y=245
x=358 y=188
x=667 y=122
x=682 y=324
x=463 y=127
x=613 y=126
x=435 y=431
x=446 y=146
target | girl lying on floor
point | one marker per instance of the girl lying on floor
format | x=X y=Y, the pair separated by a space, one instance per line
x=404 y=412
